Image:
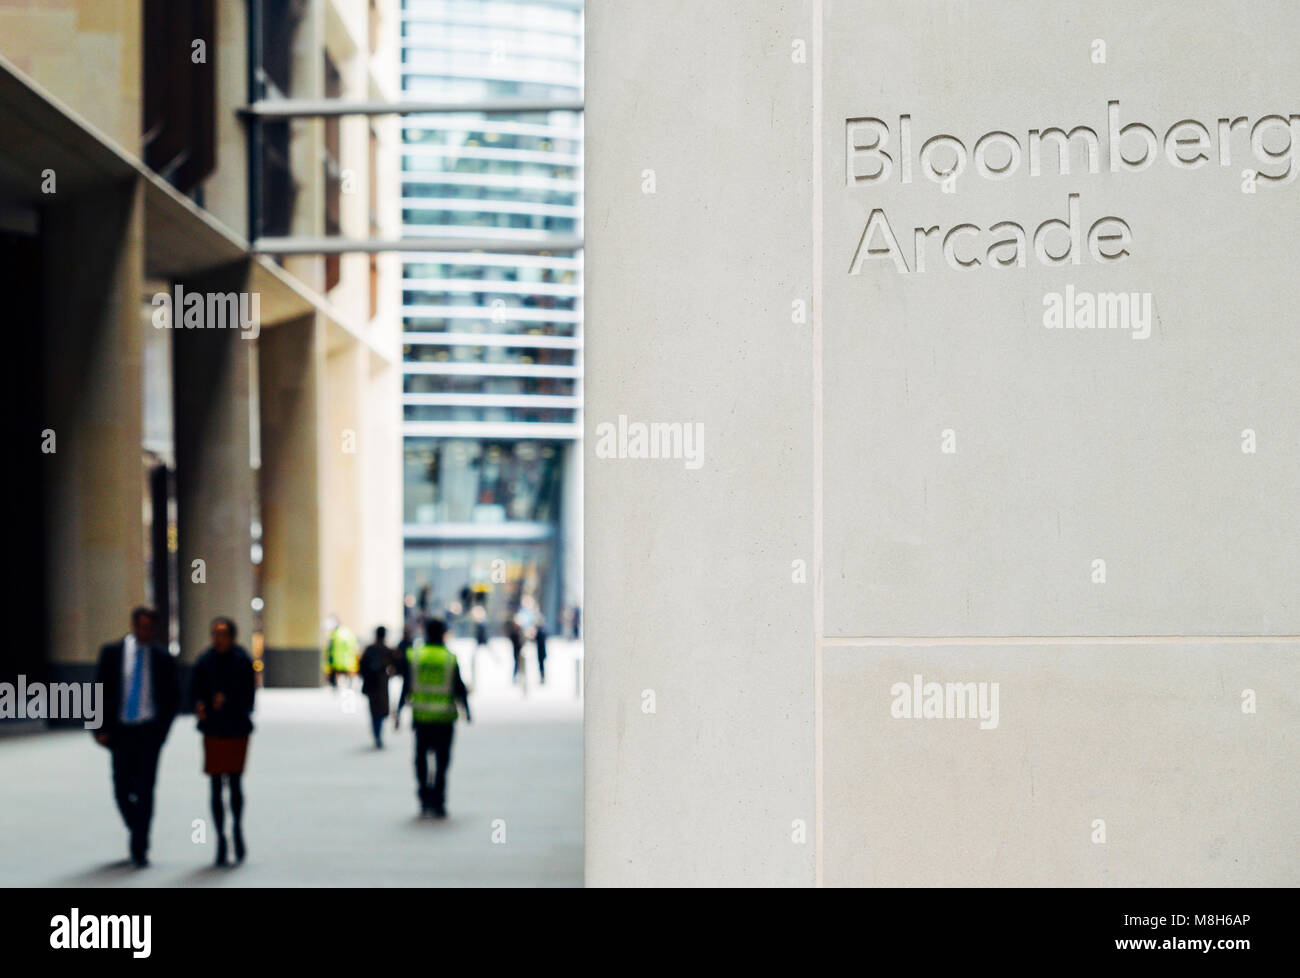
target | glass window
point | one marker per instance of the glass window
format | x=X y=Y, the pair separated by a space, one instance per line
x=462 y=384
x=492 y=415
x=460 y=480
x=447 y=353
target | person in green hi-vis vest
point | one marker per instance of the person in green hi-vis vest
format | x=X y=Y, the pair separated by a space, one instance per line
x=431 y=683
x=340 y=652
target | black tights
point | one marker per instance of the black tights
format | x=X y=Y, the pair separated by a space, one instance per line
x=236 y=801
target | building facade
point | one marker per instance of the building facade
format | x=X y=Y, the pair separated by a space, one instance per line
x=492 y=337
x=250 y=472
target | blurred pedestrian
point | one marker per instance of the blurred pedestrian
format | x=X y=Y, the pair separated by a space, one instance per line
x=539 y=639
x=399 y=666
x=516 y=636
x=527 y=614
x=140 y=699
x=340 y=652
x=432 y=677
x=478 y=614
x=224 y=686
x=377 y=665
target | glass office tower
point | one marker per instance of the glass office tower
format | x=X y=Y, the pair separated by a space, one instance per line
x=492 y=340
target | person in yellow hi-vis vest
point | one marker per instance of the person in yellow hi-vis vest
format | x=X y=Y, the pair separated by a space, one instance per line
x=431 y=683
x=340 y=652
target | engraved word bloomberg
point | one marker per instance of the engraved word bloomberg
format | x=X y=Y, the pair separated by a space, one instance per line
x=872 y=159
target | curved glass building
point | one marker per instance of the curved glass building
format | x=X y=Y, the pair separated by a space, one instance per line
x=492 y=350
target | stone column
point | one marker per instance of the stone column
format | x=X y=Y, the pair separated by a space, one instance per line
x=93 y=267
x=382 y=491
x=289 y=382
x=342 y=444
x=215 y=481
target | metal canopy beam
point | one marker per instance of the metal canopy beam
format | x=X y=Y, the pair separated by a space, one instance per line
x=300 y=108
x=334 y=245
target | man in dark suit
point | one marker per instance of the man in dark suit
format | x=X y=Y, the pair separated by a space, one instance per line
x=140 y=701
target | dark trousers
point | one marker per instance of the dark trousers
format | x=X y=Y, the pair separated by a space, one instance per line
x=135 y=766
x=434 y=737
x=377 y=727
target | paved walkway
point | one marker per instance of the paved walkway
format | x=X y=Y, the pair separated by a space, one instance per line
x=323 y=806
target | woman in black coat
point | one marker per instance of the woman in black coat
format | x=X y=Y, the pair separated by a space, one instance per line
x=223 y=688
x=375 y=667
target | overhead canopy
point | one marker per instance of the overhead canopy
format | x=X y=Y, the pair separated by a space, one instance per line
x=43 y=136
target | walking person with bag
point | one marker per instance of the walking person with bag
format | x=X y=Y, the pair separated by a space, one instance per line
x=223 y=688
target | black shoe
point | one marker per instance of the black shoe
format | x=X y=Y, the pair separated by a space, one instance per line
x=139 y=850
x=240 y=850
x=222 y=858
x=439 y=811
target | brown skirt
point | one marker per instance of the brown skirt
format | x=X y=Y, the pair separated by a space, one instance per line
x=224 y=755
